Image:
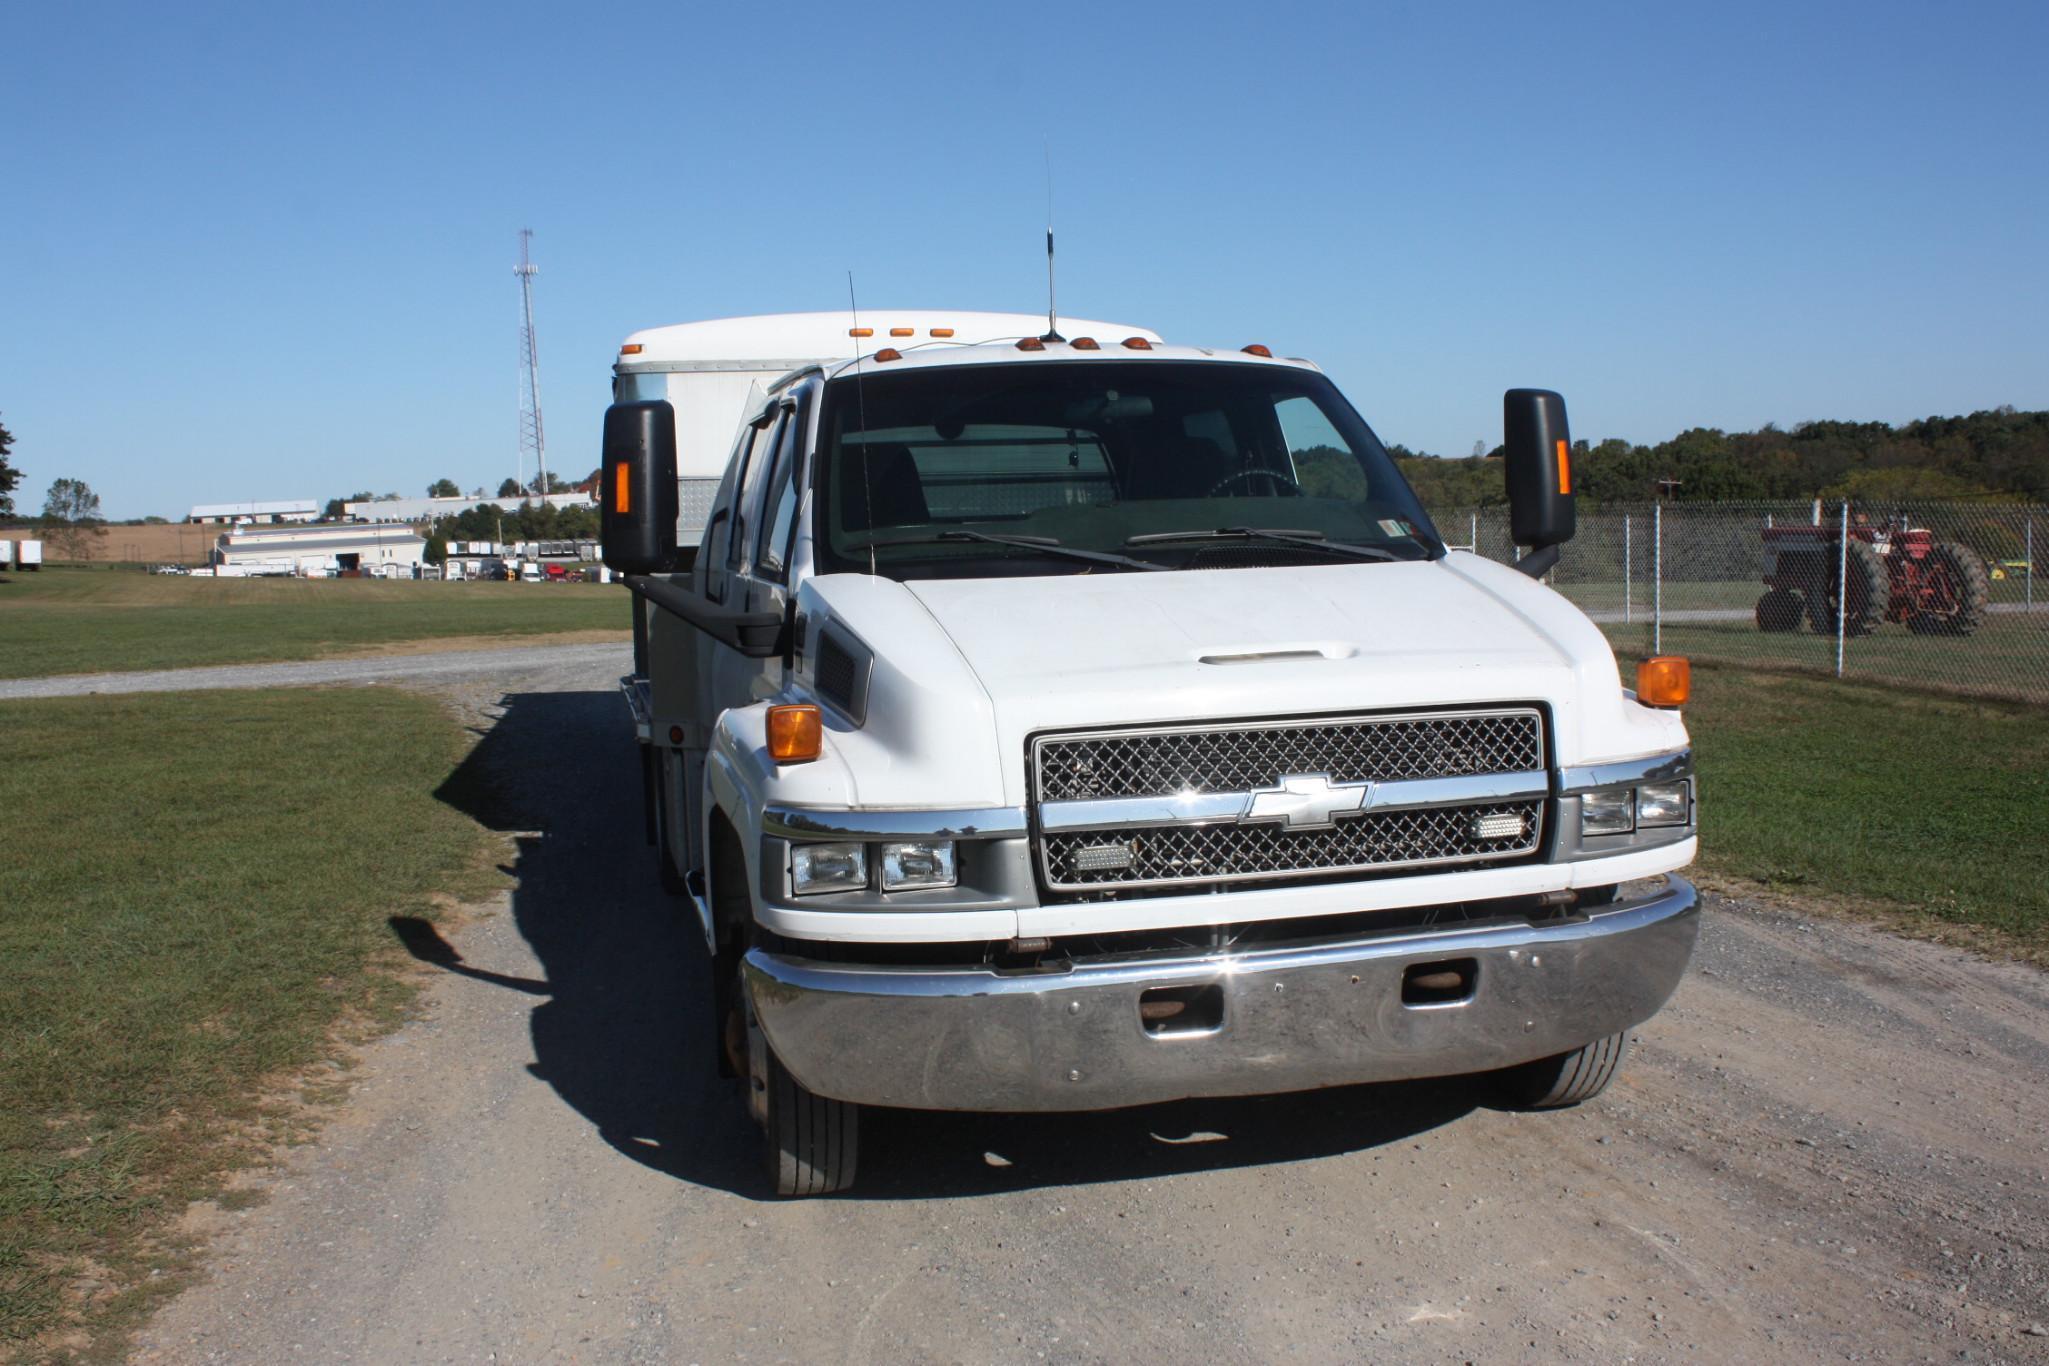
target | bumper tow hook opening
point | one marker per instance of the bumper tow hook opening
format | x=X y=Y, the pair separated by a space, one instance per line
x=1166 y=1011
x=1437 y=984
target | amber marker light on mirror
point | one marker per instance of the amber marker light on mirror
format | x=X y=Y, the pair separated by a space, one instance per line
x=1664 y=681
x=622 y=488
x=796 y=733
x=1564 y=468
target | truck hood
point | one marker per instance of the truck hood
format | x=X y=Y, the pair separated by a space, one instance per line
x=1118 y=649
x=965 y=671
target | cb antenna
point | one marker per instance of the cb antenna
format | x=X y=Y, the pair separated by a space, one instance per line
x=1052 y=309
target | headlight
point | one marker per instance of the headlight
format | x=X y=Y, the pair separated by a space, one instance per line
x=1662 y=804
x=920 y=863
x=1607 y=813
x=817 y=868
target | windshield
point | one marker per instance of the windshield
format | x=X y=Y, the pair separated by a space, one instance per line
x=1009 y=469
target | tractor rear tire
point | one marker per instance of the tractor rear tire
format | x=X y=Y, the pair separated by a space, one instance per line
x=1866 y=587
x=1568 y=1079
x=1779 y=610
x=1966 y=586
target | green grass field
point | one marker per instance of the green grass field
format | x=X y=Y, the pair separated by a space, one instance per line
x=1928 y=808
x=196 y=887
x=66 y=620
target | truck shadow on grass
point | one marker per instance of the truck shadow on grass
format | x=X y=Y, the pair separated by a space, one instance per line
x=624 y=1039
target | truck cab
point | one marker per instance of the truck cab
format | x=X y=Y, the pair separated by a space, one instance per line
x=1045 y=722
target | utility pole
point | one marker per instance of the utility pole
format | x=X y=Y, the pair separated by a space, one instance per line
x=531 y=437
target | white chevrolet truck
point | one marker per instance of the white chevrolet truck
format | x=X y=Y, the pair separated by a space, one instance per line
x=1042 y=722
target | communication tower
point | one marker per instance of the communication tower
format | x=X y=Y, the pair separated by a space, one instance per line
x=531 y=436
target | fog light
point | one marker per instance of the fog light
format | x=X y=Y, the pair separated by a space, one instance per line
x=1498 y=825
x=817 y=868
x=1662 y=804
x=919 y=863
x=1608 y=813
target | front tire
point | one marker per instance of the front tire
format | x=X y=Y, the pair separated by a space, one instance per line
x=811 y=1143
x=1569 y=1078
x=1779 y=610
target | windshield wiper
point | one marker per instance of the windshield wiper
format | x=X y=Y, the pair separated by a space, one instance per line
x=1044 y=544
x=1314 y=540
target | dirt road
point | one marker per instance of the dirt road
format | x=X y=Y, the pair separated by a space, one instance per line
x=1833 y=1145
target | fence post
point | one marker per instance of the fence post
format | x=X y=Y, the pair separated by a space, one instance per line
x=1842 y=584
x=1473 y=540
x=2031 y=563
x=1657 y=578
x=1625 y=569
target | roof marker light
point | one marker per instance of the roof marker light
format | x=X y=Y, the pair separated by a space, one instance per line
x=860 y=332
x=1030 y=344
x=942 y=331
x=630 y=349
x=1257 y=350
x=889 y=353
x=903 y=331
x=1137 y=344
x=1085 y=344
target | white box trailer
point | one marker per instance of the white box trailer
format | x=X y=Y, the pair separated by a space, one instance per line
x=714 y=374
x=29 y=555
x=6 y=556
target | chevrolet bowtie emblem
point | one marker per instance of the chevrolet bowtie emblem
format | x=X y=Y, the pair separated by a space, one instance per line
x=1306 y=801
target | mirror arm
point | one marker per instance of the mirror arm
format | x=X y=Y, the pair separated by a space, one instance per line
x=757 y=635
x=1538 y=562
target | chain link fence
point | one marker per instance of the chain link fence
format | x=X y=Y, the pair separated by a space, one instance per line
x=1934 y=594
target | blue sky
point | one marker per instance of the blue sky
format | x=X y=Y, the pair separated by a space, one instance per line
x=266 y=251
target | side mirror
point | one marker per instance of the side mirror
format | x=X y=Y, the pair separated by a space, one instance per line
x=1537 y=447
x=637 y=488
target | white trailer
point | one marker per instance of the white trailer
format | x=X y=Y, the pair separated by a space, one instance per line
x=714 y=373
x=29 y=555
x=6 y=556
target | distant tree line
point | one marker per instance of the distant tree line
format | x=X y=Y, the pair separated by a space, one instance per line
x=1997 y=453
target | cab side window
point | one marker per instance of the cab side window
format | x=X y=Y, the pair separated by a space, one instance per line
x=722 y=533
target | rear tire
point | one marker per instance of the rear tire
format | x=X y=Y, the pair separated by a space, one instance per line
x=1568 y=1079
x=1779 y=610
x=1866 y=587
x=1962 y=588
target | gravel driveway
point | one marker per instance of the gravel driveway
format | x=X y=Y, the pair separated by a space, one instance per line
x=1833 y=1145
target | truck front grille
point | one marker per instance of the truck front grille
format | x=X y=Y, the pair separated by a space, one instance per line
x=1144 y=776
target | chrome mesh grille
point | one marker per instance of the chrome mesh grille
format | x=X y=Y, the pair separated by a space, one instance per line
x=1354 y=749
x=1166 y=761
x=1232 y=852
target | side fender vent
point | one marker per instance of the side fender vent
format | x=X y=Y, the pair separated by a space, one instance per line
x=842 y=671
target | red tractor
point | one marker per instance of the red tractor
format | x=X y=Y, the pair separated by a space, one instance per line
x=1892 y=572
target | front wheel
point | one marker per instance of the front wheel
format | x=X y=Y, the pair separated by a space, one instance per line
x=812 y=1143
x=1567 y=1079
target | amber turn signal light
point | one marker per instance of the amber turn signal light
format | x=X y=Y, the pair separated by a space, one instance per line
x=796 y=732
x=1664 y=681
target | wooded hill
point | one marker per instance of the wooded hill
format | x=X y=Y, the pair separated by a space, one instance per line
x=1999 y=453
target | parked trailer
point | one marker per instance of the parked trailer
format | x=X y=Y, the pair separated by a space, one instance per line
x=28 y=555
x=6 y=556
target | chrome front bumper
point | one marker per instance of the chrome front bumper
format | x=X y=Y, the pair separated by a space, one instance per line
x=1292 y=1019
